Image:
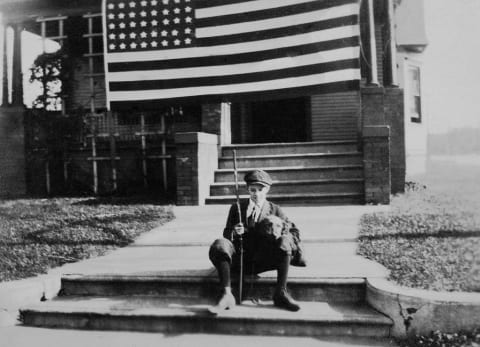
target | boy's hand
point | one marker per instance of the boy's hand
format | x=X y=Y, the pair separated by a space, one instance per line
x=239 y=229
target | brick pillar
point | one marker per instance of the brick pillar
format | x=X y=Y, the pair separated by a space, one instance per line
x=373 y=100
x=385 y=107
x=216 y=120
x=394 y=115
x=196 y=160
x=376 y=162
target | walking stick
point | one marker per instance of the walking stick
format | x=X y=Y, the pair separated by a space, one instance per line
x=240 y=237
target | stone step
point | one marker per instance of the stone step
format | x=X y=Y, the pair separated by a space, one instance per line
x=347 y=198
x=291 y=148
x=350 y=185
x=296 y=172
x=180 y=315
x=347 y=290
x=310 y=159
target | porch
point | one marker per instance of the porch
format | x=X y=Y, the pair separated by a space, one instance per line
x=119 y=153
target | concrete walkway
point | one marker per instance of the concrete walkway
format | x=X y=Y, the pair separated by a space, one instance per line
x=180 y=247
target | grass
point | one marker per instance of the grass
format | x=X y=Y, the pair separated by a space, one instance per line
x=39 y=234
x=430 y=238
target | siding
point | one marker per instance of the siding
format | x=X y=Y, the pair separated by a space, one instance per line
x=335 y=116
x=81 y=88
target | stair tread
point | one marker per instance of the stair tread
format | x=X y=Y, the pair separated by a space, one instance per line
x=169 y=307
x=290 y=144
x=284 y=182
x=291 y=195
x=297 y=167
x=188 y=276
x=293 y=155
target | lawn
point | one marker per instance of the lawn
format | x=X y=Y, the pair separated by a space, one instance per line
x=430 y=238
x=38 y=234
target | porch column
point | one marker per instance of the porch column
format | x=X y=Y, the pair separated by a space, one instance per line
x=12 y=132
x=373 y=78
x=17 y=78
x=4 y=67
x=393 y=44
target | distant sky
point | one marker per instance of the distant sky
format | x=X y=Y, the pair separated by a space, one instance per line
x=452 y=64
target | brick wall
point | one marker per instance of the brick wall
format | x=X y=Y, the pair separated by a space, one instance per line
x=376 y=161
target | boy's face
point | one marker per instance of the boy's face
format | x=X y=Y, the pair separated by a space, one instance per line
x=258 y=193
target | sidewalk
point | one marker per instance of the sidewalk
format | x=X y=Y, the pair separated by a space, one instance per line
x=180 y=247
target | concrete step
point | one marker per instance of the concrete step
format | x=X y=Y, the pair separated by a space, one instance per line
x=291 y=148
x=297 y=172
x=310 y=159
x=318 y=199
x=347 y=185
x=180 y=315
x=347 y=290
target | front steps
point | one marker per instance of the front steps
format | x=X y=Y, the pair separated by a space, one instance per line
x=303 y=173
x=178 y=304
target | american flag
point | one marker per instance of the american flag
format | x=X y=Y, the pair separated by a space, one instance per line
x=174 y=50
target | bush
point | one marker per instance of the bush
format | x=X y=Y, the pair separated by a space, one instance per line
x=440 y=339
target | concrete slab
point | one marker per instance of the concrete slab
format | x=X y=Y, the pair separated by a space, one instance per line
x=324 y=260
x=200 y=225
x=17 y=336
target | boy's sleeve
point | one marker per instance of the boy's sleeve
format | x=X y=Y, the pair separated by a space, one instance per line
x=232 y=219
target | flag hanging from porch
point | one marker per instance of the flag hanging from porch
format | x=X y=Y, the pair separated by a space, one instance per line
x=172 y=50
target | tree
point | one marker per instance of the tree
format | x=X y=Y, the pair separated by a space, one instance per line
x=52 y=72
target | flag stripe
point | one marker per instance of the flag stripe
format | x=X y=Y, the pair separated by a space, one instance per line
x=225 y=8
x=228 y=3
x=235 y=78
x=230 y=59
x=274 y=23
x=237 y=48
x=279 y=84
x=219 y=70
x=336 y=23
x=249 y=15
x=290 y=92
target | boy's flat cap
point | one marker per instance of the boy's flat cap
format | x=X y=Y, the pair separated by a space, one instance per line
x=258 y=177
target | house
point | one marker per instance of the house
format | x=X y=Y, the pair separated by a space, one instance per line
x=333 y=130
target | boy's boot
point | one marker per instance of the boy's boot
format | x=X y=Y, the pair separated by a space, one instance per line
x=281 y=298
x=227 y=301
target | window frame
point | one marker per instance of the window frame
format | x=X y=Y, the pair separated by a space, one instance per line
x=413 y=95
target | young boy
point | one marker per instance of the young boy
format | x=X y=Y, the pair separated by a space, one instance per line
x=260 y=253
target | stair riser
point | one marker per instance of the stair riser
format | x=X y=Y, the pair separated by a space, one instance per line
x=294 y=149
x=204 y=324
x=300 y=174
x=305 y=161
x=299 y=201
x=350 y=187
x=349 y=293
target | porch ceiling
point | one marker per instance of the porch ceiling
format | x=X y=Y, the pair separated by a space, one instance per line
x=20 y=10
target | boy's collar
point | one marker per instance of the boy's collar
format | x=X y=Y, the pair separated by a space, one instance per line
x=251 y=203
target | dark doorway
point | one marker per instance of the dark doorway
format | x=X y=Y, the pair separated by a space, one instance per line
x=281 y=120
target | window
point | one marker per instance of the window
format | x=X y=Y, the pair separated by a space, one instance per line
x=414 y=94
